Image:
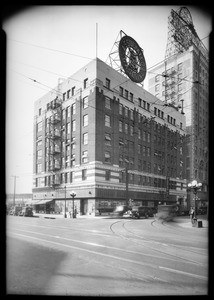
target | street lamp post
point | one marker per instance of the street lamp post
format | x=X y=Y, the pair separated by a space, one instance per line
x=127 y=186
x=65 y=203
x=195 y=186
x=73 y=194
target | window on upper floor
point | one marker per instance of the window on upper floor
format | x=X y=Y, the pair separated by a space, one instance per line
x=107 y=139
x=107 y=103
x=71 y=177
x=126 y=111
x=108 y=82
x=85 y=156
x=157 y=78
x=107 y=175
x=84 y=174
x=74 y=125
x=85 y=83
x=180 y=67
x=107 y=121
x=126 y=128
x=85 y=120
x=120 y=109
x=39 y=154
x=85 y=138
x=107 y=156
x=73 y=91
x=120 y=126
x=121 y=91
x=85 y=102
x=38 y=168
x=73 y=108
x=68 y=128
x=68 y=94
x=68 y=112
x=126 y=94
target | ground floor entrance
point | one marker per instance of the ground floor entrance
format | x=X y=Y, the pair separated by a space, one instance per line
x=83 y=206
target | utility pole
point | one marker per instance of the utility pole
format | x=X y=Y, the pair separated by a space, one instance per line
x=14 y=191
x=65 y=202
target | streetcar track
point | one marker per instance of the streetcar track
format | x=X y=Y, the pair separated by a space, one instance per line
x=86 y=243
x=172 y=245
x=156 y=267
x=155 y=242
x=92 y=231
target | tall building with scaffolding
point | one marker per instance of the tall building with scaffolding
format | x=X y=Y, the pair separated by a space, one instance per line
x=182 y=81
x=107 y=139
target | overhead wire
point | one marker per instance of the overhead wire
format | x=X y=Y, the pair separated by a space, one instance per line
x=35 y=81
x=51 y=49
x=77 y=80
x=117 y=92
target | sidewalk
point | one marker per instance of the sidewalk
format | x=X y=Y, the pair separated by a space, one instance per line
x=61 y=216
x=187 y=223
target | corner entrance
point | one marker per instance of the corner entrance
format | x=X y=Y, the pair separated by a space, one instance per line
x=83 y=206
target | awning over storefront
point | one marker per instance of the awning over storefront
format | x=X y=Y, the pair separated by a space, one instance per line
x=43 y=202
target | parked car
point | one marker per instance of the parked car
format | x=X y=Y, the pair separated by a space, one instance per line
x=202 y=211
x=26 y=212
x=152 y=211
x=140 y=211
x=15 y=210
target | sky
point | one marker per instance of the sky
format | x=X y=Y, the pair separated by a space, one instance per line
x=45 y=43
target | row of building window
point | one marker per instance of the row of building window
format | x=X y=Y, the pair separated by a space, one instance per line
x=69 y=160
x=68 y=177
x=71 y=92
x=159 y=113
x=126 y=94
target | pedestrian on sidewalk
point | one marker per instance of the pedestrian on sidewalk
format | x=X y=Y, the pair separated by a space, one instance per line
x=191 y=213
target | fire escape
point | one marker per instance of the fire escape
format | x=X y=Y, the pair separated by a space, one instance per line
x=170 y=86
x=54 y=141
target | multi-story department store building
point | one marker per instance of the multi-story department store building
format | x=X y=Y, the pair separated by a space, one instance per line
x=185 y=78
x=108 y=140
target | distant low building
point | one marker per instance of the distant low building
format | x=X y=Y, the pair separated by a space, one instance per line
x=19 y=198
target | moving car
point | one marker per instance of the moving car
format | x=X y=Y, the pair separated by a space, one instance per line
x=167 y=212
x=127 y=214
x=120 y=210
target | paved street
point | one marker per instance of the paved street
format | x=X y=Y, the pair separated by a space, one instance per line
x=105 y=256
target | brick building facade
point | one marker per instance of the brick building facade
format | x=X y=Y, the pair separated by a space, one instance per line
x=107 y=139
